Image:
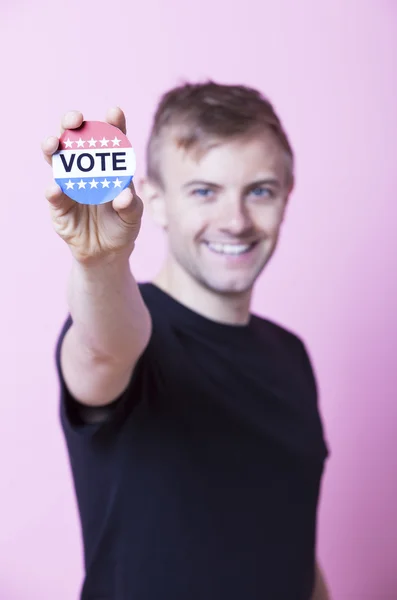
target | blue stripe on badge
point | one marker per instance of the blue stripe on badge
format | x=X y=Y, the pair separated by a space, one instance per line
x=93 y=190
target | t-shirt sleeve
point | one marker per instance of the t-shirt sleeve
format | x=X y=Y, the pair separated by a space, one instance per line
x=310 y=373
x=76 y=418
x=308 y=366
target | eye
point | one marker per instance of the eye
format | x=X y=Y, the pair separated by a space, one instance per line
x=262 y=192
x=202 y=192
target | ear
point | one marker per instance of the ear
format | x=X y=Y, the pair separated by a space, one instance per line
x=153 y=199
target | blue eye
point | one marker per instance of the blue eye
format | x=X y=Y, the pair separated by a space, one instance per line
x=261 y=192
x=202 y=192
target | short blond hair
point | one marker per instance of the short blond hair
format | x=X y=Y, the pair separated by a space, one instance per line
x=197 y=114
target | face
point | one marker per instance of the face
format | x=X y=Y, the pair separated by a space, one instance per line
x=222 y=213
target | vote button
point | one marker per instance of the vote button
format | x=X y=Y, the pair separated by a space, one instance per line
x=94 y=163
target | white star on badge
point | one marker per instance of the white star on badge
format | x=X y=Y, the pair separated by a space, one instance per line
x=94 y=184
x=92 y=142
x=104 y=142
x=105 y=183
x=117 y=183
x=69 y=185
x=68 y=143
x=80 y=143
x=116 y=142
x=82 y=184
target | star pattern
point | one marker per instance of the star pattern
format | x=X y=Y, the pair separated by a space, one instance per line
x=92 y=143
x=93 y=184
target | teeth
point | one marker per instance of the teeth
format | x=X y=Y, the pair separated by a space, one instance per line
x=230 y=248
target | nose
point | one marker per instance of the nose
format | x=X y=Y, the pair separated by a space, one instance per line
x=233 y=218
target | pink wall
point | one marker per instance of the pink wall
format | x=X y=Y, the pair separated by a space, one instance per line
x=331 y=69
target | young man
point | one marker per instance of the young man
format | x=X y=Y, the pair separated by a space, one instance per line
x=192 y=425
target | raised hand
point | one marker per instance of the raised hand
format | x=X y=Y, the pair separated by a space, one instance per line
x=94 y=233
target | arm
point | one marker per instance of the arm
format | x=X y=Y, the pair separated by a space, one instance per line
x=111 y=328
x=111 y=325
x=320 y=591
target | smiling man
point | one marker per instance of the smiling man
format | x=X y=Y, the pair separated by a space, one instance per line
x=192 y=425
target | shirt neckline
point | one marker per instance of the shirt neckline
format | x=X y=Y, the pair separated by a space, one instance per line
x=179 y=312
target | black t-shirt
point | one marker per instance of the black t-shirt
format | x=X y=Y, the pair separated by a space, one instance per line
x=203 y=484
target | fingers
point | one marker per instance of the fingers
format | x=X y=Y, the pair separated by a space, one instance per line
x=71 y=120
x=74 y=119
x=128 y=206
x=49 y=146
x=116 y=117
x=57 y=199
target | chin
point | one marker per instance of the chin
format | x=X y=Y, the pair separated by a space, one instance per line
x=233 y=283
x=229 y=288
x=234 y=276
x=231 y=279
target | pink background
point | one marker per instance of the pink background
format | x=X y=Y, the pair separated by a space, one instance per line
x=330 y=67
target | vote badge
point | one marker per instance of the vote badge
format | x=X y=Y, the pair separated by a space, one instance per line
x=94 y=163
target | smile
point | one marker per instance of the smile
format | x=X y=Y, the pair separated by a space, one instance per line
x=230 y=249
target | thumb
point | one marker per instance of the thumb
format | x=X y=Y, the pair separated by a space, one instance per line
x=128 y=206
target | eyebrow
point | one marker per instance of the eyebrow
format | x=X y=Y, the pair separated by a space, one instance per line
x=202 y=183
x=272 y=181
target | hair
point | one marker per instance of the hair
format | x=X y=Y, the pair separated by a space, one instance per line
x=200 y=115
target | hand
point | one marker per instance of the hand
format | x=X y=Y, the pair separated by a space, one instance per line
x=94 y=233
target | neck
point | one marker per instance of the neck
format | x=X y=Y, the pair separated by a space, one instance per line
x=228 y=308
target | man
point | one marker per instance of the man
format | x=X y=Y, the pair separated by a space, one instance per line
x=192 y=425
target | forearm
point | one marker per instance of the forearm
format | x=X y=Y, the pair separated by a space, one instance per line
x=110 y=319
